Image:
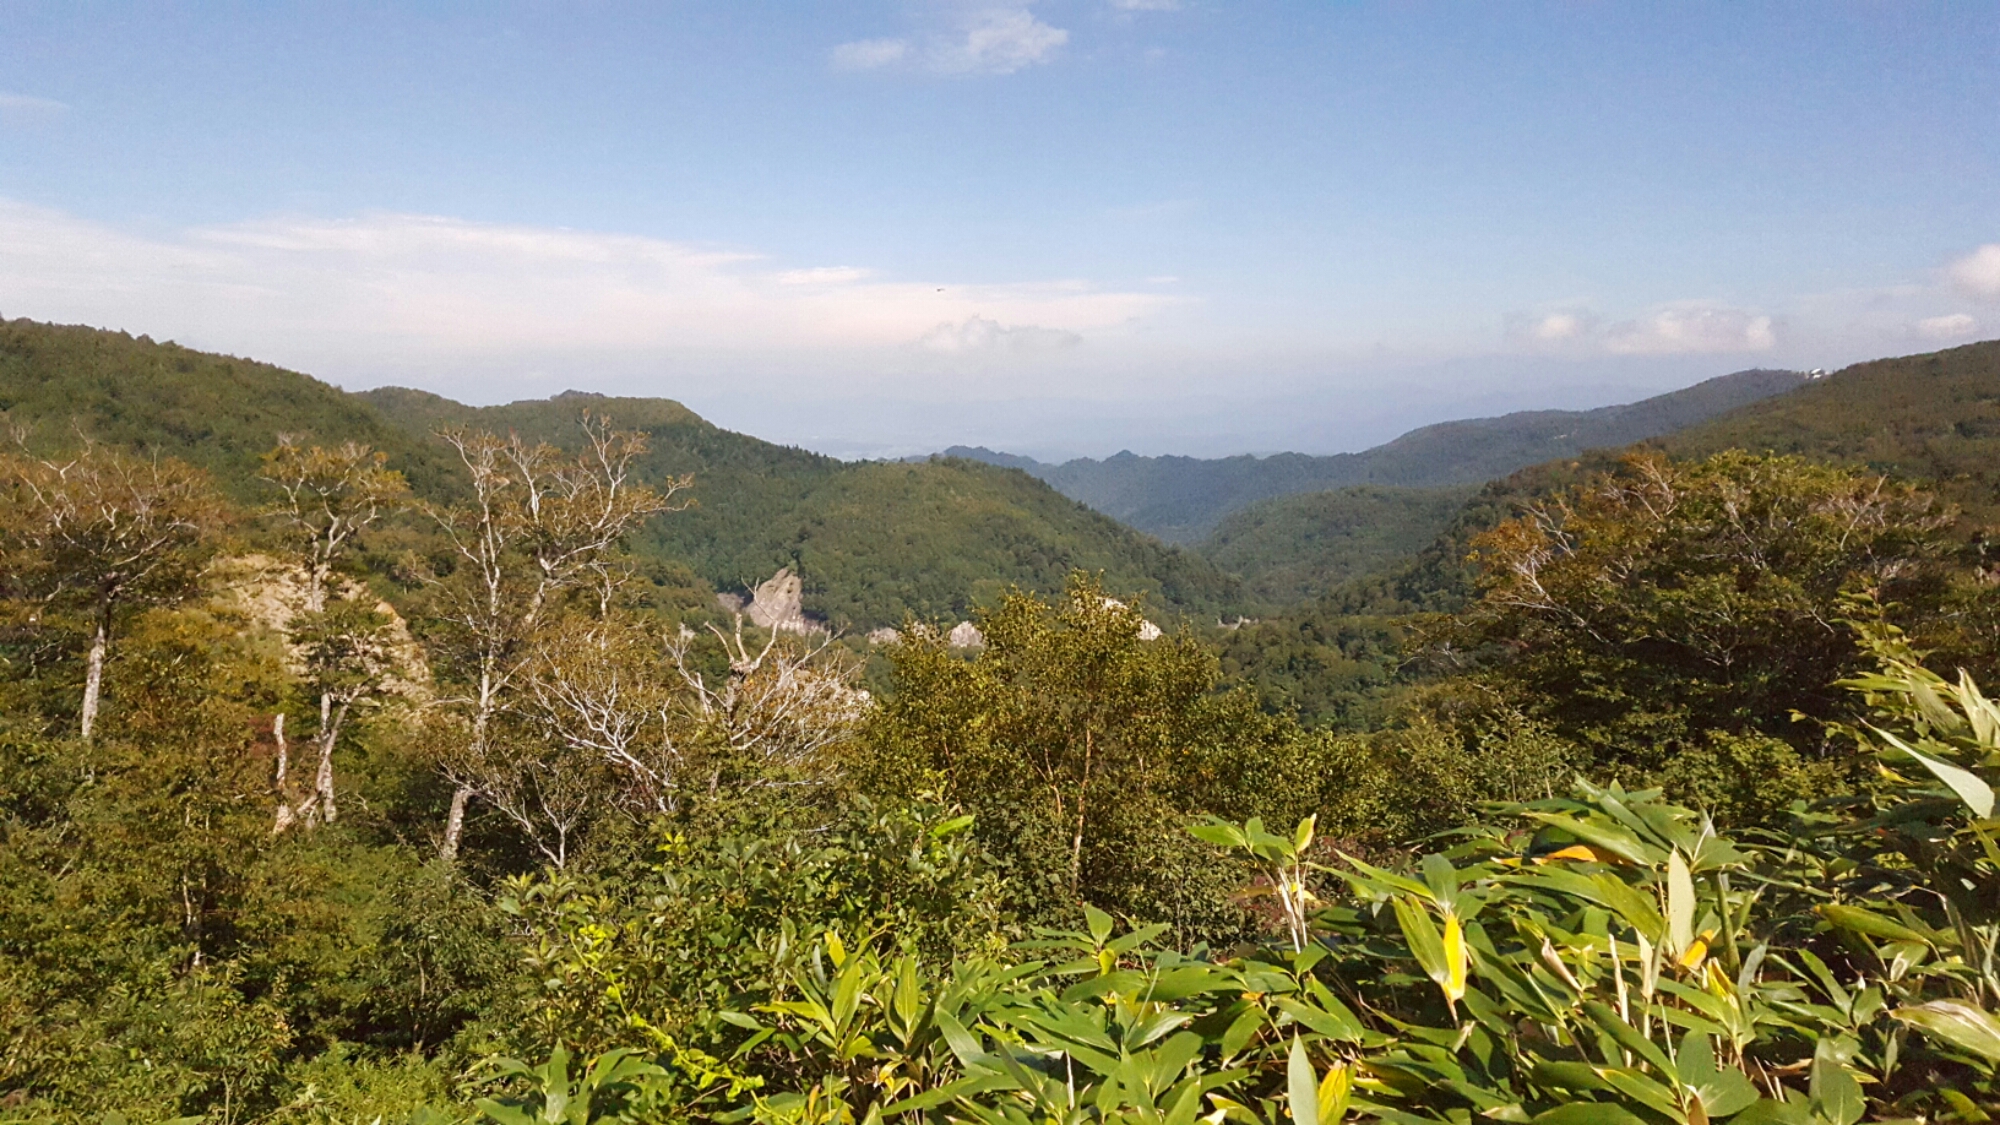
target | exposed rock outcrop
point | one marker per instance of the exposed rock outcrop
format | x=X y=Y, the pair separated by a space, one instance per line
x=270 y=593
x=1147 y=630
x=966 y=635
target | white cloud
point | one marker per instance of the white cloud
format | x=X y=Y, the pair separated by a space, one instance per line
x=1560 y=330
x=21 y=109
x=351 y=298
x=1978 y=273
x=867 y=54
x=989 y=41
x=1146 y=5
x=1001 y=42
x=1955 y=326
x=1681 y=328
x=823 y=275
x=980 y=335
x=1691 y=329
x=1562 y=326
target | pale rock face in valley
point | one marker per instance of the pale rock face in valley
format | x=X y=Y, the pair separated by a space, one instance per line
x=777 y=604
x=270 y=594
x=966 y=635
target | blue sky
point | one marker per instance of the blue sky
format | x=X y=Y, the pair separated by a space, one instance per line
x=1061 y=227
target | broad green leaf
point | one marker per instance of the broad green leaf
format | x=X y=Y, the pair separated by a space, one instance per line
x=1099 y=922
x=1340 y=1025
x=1977 y=795
x=1864 y=921
x=1220 y=834
x=1970 y=1029
x=1627 y=1036
x=1422 y=935
x=1588 y=1113
x=951 y=827
x=1442 y=878
x=504 y=1114
x=1301 y=1089
x=1834 y=1091
x=1242 y=1030
x=950 y=1091
x=1613 y=839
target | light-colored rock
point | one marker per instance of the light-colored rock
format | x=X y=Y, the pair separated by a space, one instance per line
x=883 y=636
x=779 y=603
x=269 y=593
x=1147 y=630
x=966 y=635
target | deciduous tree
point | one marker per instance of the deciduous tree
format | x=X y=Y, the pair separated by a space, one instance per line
x=103 y=533
x=540 y=525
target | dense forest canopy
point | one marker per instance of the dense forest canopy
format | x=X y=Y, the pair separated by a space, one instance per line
x=409 y=774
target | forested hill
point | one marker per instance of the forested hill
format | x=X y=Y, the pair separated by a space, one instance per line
x=872 y=542
x=1933 y=417
x=1182 y=499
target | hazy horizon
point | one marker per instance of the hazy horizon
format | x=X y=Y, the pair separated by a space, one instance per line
x=1058 y=228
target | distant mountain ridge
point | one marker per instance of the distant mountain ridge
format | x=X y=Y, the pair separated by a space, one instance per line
x=1184 y=499
x=871 y=541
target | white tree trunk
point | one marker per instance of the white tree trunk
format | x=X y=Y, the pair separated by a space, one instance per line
x=284 y=815
x=454 y=824
x=93 y=680
x=330 y=721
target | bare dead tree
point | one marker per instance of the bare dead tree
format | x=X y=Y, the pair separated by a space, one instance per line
x=540 y=524
x=327 y=498
x=780 y=710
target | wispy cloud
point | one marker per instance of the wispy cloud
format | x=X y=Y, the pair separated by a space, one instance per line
x=978 y=335
x=343 y=297
x=1146 y=5
x=1978 y=273
x=1691 y=328
x=1954 y=326
x=868 y=54
x=990 y=41
x=1679 y=328
x=22 y=109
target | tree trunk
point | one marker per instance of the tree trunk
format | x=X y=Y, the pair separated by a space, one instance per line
x=93 y=680
x=284 y=815
x=454 y=824
x=329 y=734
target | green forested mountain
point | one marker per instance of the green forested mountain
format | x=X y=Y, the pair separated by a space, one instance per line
x=63 y=382
x=873 y=542
x=1291 y=549
x=1933 y=417
x=1182 y=499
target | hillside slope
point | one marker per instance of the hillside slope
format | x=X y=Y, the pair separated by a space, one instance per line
x=219 y=412
x=872 y=542
x=1933 y=417
x=1183 y=499
x=1291 y=549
